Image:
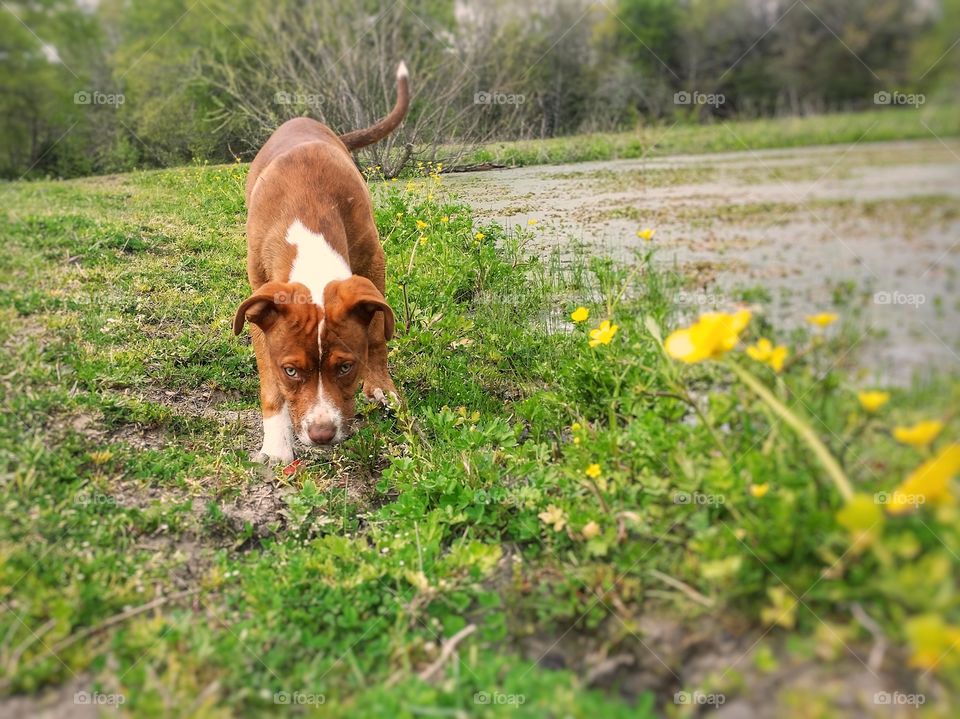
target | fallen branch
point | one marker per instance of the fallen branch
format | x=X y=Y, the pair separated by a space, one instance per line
x=875 y=660
x=448 y=647
x=689 y=591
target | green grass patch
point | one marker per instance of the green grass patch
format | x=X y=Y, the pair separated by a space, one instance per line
x=541 y=499
x=734 y=136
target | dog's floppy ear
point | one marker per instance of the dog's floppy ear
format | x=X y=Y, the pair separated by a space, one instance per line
x=262 y=308
x=360 y=298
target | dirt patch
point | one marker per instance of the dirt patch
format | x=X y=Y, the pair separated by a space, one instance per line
x=63 y=702
x=712 y=667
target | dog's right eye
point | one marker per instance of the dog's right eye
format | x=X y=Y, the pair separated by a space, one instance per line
x=291 y=372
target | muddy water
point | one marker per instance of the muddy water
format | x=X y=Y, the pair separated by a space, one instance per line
x=875 y=226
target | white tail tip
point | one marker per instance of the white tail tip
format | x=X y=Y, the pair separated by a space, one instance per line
x=402 y=70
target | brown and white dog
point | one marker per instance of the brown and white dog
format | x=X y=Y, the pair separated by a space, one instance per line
x=318 y=316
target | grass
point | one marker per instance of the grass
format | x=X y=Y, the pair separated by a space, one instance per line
x=735 y=136
x=146 y=559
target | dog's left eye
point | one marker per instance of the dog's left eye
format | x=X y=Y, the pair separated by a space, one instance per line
x=290 y=372
x=344 y=368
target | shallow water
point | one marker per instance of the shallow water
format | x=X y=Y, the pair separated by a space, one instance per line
x=876 y=224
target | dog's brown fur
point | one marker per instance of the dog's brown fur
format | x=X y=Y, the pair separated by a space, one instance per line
x=305 y=172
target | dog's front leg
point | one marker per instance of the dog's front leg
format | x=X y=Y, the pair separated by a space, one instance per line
x=377 y=385
x=277 y=428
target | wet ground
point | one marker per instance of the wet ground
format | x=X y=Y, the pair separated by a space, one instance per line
x=874 y=226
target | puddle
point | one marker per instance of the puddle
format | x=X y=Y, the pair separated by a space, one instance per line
x=879 y=221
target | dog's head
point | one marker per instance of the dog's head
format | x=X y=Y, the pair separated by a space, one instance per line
x=316 y=353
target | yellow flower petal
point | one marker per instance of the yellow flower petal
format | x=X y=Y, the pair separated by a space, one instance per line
x=593 y=471
x=934 y=642
x=873 y=400
x=919 y=435
x=777 y=358
x=604 y=334
x=581 y=314
x=929 y=482
x=759 y=490
x=646 y=234
x=761 y=351
x=711 y=336
x=822 y=319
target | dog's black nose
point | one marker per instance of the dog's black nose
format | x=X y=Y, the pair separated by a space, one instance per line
x=322 y=432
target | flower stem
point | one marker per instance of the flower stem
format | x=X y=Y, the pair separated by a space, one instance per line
x=800 y=427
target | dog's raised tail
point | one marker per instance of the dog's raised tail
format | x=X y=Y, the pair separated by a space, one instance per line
x=379 y=130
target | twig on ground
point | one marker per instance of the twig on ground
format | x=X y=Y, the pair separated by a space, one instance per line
x=608 y=666
x=689 y=591
x=448 y=648
x=879 y=648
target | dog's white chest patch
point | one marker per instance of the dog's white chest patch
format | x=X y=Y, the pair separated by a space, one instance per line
x=317 y=263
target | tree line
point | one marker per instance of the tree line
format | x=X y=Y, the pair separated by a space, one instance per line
x=96 y=87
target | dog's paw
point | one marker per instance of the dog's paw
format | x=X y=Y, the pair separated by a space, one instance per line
x=271 y=459
x=386 y=399
x=383 y=394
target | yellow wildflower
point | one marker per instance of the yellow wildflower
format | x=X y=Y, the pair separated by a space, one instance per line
x=593 y=471
x=531 y=222
x=590 y=530
x=479 y=235
x=934 y=642
x=554 y=516
x=759 y=490
x=445 y=219
x=863 y=518
x=101 y=457
x=927 y=483
x=603 y=334
x=421 y=224
x=873 y=400
x=764 y=351
x=581 y=314
x=919 y=435
x=646 y=234
x=822 y=319
x=713 y=335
